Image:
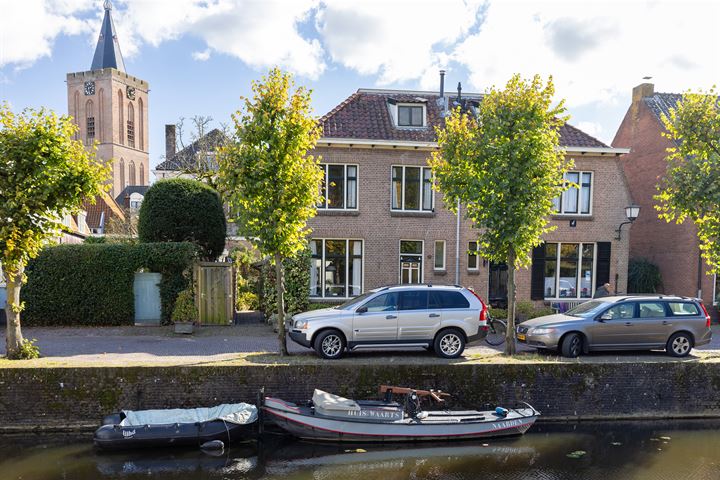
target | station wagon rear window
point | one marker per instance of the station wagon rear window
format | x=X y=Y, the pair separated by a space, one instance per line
x=680 y=309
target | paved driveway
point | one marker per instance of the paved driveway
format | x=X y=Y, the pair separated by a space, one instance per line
x=133 y=345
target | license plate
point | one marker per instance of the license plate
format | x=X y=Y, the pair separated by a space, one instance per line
x=521 y=336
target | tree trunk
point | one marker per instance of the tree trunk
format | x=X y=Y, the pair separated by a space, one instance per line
x=280 y=294
x=13 y=338
x=510 y=334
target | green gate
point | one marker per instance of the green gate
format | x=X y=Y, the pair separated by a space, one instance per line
x=215 y=293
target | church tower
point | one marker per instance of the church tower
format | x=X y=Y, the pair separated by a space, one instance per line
x=111 y=107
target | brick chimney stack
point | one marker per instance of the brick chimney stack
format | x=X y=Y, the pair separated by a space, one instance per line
x=170 y=143
x=638 y=93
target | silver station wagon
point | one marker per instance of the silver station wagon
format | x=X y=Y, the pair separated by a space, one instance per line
x=439 y=318
x=676 y=324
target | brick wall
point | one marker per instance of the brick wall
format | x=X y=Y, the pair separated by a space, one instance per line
x=71 y=398
x=674 y=248
x=381 y=230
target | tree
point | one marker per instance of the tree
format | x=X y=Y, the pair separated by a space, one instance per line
x=270 y=183
x=44 y=175
x=691 y=187
x=201 y=161
x=180 y=210
x=506 y=167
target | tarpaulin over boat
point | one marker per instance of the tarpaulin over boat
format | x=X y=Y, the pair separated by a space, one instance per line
x=238 y=413
x=328 y=402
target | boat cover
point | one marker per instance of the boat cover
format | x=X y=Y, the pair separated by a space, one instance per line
x=328 y=402
x=238 y=413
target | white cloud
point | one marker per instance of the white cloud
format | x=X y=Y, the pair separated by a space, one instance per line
x=201 y=56
x=591 y=128
x=400 y=40
x=28 y=29
x=596 y=51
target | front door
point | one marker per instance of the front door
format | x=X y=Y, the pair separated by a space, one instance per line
x=617 y=327
x=415 y=320
x=379 y=320
x=497 y=290
x=146 y=289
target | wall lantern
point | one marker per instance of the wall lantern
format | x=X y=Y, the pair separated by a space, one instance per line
x=631 y=212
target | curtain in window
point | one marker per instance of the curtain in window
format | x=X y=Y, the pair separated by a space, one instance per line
x=427 y=189
x=397 y=180
x=351 y=186
x=570 y=197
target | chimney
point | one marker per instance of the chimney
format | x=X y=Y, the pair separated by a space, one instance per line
x=126 y=201
x=459 y=92
x=442 y=83
x=170 y=145
x=641 y=91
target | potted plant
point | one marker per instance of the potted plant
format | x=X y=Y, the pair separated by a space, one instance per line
x=185 y=312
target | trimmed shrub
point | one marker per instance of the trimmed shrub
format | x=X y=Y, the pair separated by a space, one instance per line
x=92 y=284
x=185 y=309
x=297 y=285
x=643 y=276
x=183 y=210
x=247 y=278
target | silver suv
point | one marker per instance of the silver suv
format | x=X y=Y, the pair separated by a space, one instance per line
x=439 y=318
x=676 y=324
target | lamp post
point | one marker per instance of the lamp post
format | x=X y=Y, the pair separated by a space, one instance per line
x=631 y=212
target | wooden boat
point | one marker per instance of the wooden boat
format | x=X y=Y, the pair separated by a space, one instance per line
x=228 y=423
x=336 y=419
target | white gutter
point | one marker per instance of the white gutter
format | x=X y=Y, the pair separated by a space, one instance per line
x=369 y=143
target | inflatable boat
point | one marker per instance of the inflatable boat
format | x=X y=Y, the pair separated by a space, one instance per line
x=228 y=423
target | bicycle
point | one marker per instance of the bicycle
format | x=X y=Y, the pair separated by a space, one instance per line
x=497 y=329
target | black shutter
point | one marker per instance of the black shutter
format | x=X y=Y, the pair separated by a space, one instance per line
x=602 y=273
x=537 y=278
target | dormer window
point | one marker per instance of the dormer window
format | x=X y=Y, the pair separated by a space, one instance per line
x=411 y=115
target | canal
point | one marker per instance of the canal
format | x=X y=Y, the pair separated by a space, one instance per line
x=667 y=450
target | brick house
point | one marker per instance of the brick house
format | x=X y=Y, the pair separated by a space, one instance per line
x=381 y=223
x=674 y=248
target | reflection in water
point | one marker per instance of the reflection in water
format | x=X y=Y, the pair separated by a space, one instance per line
x=627 y=451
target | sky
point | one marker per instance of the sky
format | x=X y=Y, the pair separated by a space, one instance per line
x=200 y=56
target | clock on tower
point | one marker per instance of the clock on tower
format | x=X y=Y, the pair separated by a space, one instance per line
x=90 y=88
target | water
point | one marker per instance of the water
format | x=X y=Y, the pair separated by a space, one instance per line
x=687 y=450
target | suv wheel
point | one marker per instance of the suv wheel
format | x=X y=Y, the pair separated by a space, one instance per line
x=330 y=344
x=679 y=345
x=449 y=343
x=571 y=346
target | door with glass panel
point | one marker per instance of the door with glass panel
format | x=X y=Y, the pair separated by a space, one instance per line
x=415 y=321
x=411 y=261
x=377 y=320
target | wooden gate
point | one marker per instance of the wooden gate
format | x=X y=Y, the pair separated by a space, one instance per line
x=215 y=293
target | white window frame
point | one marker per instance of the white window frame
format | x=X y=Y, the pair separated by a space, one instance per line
x=324 y=205
x=714 y=291
x=435 y=266
x=477 y=257
x=422 y=260
x=579 y=200
x=557 y=272
x=396 y=114
x=402 y=189
x=347 y=268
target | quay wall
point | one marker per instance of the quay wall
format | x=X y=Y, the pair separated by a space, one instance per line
x=65 y=399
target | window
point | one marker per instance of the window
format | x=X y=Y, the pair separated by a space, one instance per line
x=339 y=188
x=387 y=302
x=335 y=268
x=411 y=256
x=569 y=270
x=414 y=300
x=445 y=299
x=439 y=255
x=90 y=128
x=651 y=309
x=623 y=310
x=412 y=188
x=716 y=290
x=411 y=115
x=576 y=201
x=680 y=309
x=472 y=258
x=131 y=133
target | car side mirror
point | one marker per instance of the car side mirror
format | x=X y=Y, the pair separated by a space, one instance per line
x=362 y=309
x=604 y=316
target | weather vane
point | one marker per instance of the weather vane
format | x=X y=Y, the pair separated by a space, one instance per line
x=107 y=4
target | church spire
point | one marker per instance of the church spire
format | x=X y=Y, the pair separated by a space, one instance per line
x=107 y=52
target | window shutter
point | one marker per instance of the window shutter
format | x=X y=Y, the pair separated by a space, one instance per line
x=537 y=281
x=602 y=273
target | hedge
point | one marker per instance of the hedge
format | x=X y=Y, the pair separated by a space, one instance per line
x=297 y=285
x=92 y=284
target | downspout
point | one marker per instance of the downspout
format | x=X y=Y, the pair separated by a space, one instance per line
x=699 y=276
x=457 y=245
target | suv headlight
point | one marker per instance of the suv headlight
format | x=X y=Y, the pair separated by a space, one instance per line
x=300 y=324
x=541 y=331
